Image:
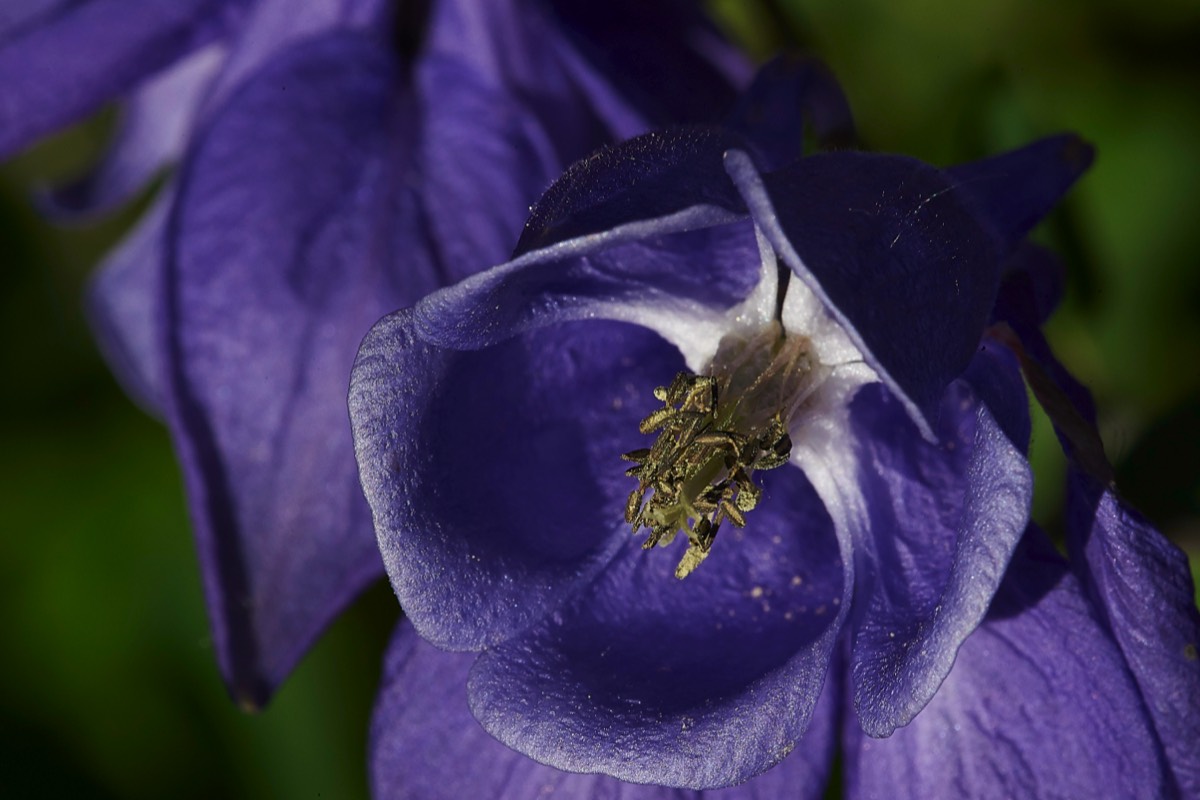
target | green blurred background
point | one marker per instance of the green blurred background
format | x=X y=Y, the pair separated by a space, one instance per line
x=108 y=686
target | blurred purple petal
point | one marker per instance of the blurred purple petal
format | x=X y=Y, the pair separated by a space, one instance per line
x=123 y=305
x=1039 y=704
x=664 y=55
x=19 y=16
x=271 y=26
x=291 y=213
x=58 y=72
x=788 y=94
x=154 y=128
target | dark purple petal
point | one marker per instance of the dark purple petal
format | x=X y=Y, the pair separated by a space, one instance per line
x=123 y=306
x=56 y=73
x=154 y=128
x=1031 y=287
x=499 y=67
x=1142 y=586
x=702 y=682
x=894 y=253
x=292 y=212
x=1013 y=191
x=648 y=177
x=789 y=93
x=944 y=520
x=425 y=745
x=1039 y=704
x=491 y=473
x=664 y=55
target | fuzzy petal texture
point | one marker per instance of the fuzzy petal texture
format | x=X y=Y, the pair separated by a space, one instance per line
x=944 y=521
x=653 y=176
x=75 y=60
x=425 y=745
x=1039 y=704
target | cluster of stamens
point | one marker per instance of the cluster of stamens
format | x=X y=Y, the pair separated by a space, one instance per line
x=714 y=432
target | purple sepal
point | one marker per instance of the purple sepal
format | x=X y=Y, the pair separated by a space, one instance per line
x=425 y=745
x=123 y=303
x=75 y=60
x=153 y=129
x=665 y=56
x=894 y=254
x=944 y=520
x=1142 y=585
x=1140 y=582
x=290 y=213
x=699 y=683
x=1039 y=704
x=650 y=176
x=789 y=93
x=1015 y=190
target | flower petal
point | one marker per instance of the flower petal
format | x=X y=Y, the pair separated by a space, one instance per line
x=425 y=745
x=944 y=521
x=702 y=682
x=289 y=215
x=666 y=56
x=123 y=304
x=19 y=16
x=1143 y=587
x=153 y=130
x=501 y=64
x=895 y=255
x=1039 y=704
x=1140 y=582
x=481 y=467
x=57 y=72
x=1013 y=191
x=649 y=177
x=789 y=93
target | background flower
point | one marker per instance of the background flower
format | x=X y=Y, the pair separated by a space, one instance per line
x=340 y=160
x=109 y=688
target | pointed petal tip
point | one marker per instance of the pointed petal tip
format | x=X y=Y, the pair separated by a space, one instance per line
x=1012 y=192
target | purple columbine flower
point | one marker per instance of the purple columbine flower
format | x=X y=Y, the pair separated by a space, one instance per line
x=823 y=537
x=339 y=159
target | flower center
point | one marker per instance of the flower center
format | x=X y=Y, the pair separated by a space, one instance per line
x=715 y=431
